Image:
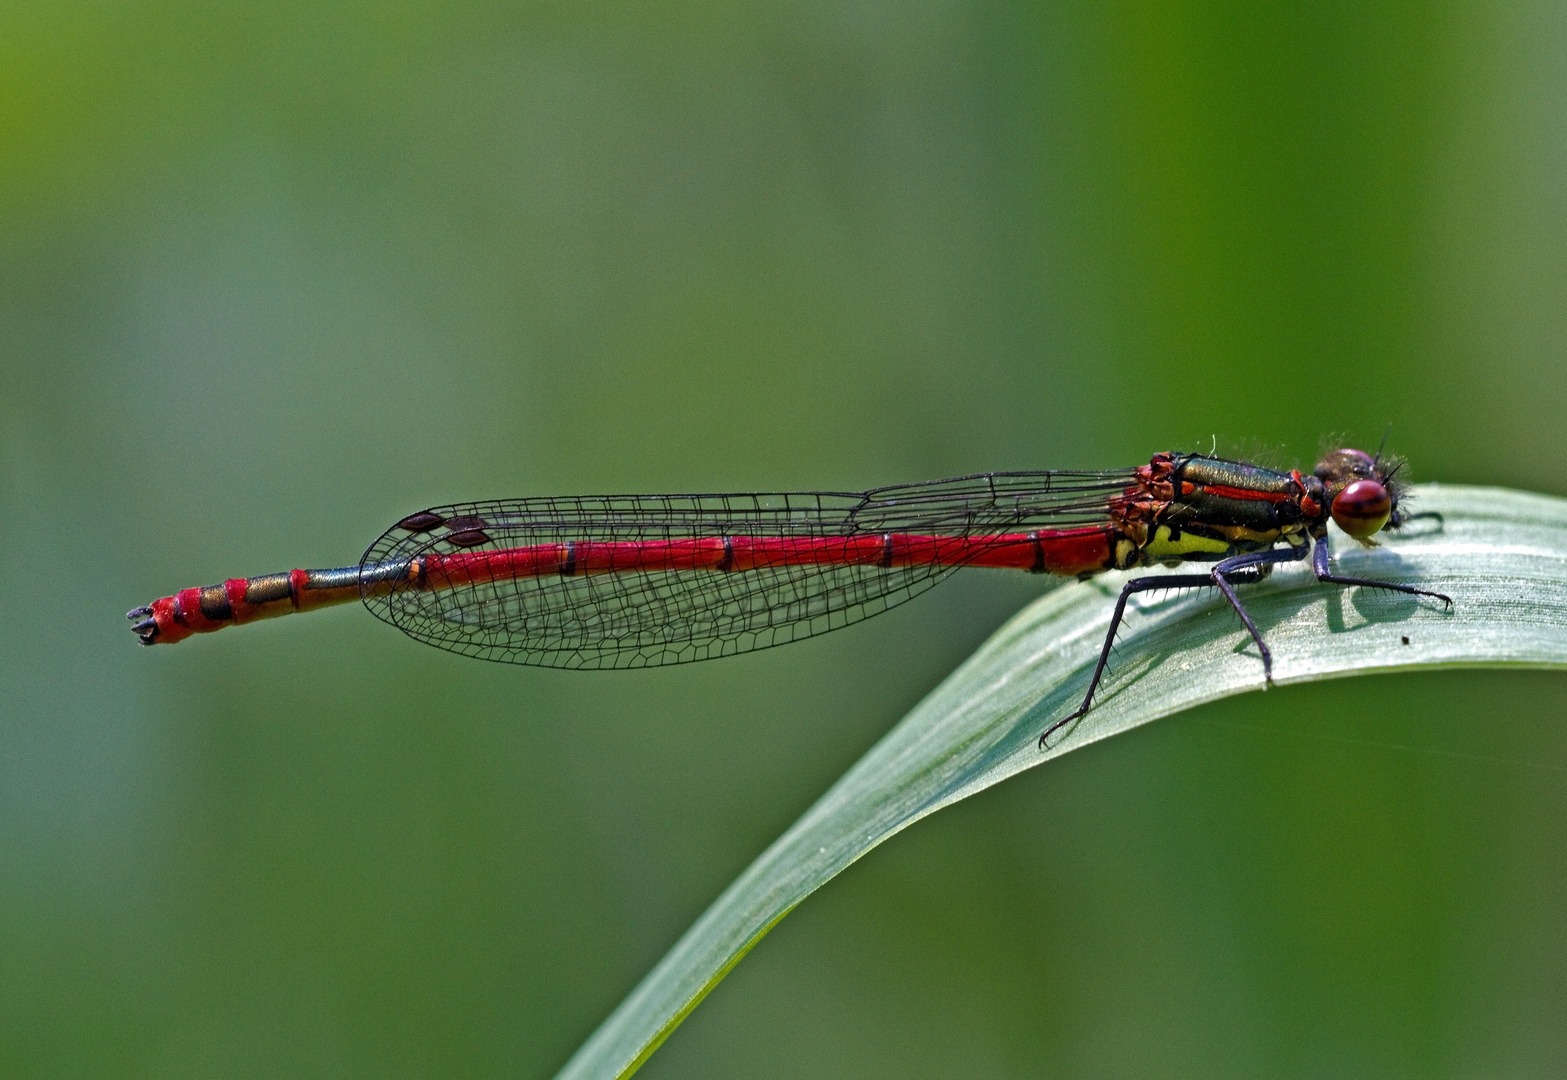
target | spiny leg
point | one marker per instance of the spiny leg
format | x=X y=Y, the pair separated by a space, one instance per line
x=1240 y=570
x=1136 y=585
x=1250 y=568
x=1319 y=566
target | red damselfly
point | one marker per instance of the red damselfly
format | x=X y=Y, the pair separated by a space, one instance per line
x=642 y=580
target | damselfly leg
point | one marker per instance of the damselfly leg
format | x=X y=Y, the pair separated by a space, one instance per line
x=1244 y=569
x=1248 y=569
x=1319 y=566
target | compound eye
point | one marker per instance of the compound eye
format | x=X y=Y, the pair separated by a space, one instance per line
x=1362 y=508
x=1345 y=463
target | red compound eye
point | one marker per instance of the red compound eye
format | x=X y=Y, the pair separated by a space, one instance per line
x=1362 y=508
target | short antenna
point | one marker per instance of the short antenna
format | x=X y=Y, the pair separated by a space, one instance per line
x=1382 y=445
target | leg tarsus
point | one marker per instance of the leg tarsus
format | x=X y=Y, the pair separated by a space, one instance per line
x=1061 y=723
x=1325 y=574
x=1368 y=583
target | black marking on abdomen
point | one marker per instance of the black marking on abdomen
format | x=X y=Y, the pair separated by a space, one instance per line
x=215 y=603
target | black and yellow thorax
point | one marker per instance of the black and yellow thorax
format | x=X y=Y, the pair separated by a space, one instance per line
x=1191 y=507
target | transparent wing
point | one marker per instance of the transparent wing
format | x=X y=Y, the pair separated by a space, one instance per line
x=642 y=618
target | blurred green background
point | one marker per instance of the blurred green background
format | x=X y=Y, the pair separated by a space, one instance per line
x=272 y=277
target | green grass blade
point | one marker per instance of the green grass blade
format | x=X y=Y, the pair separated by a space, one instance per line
x=1501 y=555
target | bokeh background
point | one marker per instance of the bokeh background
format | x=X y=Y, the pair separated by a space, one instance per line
x=273 y=276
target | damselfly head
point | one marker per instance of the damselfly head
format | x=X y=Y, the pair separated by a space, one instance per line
x=1361 y=492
